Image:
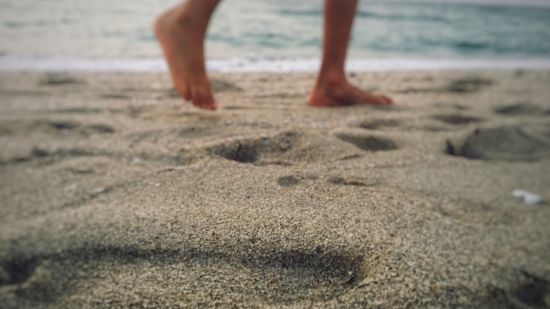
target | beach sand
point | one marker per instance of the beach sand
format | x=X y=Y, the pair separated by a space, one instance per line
x=115 y=194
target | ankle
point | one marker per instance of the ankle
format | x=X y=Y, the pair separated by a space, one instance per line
x=329 y=79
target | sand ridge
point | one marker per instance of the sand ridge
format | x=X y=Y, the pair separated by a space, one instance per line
x=115 y=194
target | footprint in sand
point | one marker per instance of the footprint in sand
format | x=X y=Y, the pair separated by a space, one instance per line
x=49 y=156
x=31 y=279
x=68 y=126
x=468 y=85
x=368 y=142
x=456 y=119
x=45 y=156
x=59 y=79
x=277 y=276
x=533 y=292
x=17 y=271
x=115 y=96
x=519 y=109
x=459 y=86
x=511 y=143
x=16 y=127
x=346 y=182
x=81 y=110
x=378 y=124
x=256 y=150
x=76 y=127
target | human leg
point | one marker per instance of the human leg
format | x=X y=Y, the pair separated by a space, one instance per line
x=181 y=32
x=332 y=87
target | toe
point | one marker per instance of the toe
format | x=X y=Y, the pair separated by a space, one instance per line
x=204 y=100
x=386 y=100
x=182 y=88
x=186 y=94
x=208 y=104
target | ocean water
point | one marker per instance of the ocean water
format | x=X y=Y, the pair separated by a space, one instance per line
x=278 y=34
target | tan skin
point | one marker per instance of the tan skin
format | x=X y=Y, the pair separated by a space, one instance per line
x=181 y=33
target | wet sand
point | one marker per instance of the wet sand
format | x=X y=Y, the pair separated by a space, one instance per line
x=113 y=193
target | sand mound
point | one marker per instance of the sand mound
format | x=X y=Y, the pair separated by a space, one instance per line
x=501 y=143
x=519 y=109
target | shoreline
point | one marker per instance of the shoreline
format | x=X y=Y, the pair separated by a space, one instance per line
x=14 y=63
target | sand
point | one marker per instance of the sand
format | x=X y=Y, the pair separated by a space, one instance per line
x=115 y=194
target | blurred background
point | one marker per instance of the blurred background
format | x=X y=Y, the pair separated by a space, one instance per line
x=60 y=32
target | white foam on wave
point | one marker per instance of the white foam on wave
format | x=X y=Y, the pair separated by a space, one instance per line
x=41 y=64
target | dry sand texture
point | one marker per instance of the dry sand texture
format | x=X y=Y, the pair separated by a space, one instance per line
x=114 y=194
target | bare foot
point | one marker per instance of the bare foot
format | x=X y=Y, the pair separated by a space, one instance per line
x=341 y=93
x=182 y=41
